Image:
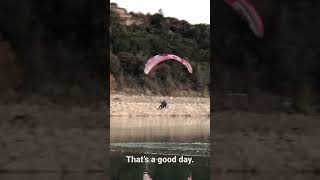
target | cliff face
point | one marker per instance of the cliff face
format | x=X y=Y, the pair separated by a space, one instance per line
x=126 y=18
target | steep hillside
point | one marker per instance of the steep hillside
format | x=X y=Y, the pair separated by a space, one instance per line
x=132 y=45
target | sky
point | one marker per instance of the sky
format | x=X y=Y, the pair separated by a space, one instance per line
x=195 y=11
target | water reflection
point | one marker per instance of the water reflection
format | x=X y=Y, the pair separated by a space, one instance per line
x=160 y=137
x=267 y=176
x=120 y=169
x=185 y=149
x=159 y=129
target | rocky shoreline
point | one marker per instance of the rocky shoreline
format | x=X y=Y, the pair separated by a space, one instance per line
x=140 y=105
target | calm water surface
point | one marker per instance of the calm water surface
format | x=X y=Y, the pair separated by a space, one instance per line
x=160 y=137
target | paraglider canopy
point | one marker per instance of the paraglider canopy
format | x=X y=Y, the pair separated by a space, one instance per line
x=152 y=62
x=249 y=13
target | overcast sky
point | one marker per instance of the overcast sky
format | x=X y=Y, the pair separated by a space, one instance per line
x=195 y=11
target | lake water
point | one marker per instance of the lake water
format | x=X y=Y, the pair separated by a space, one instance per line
x=140 y=147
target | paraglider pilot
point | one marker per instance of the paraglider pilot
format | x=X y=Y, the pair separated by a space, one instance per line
x=163 y=104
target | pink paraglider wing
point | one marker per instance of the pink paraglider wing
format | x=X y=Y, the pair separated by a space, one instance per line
x=247 y=10
x=152 y=62
x=146 y=176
